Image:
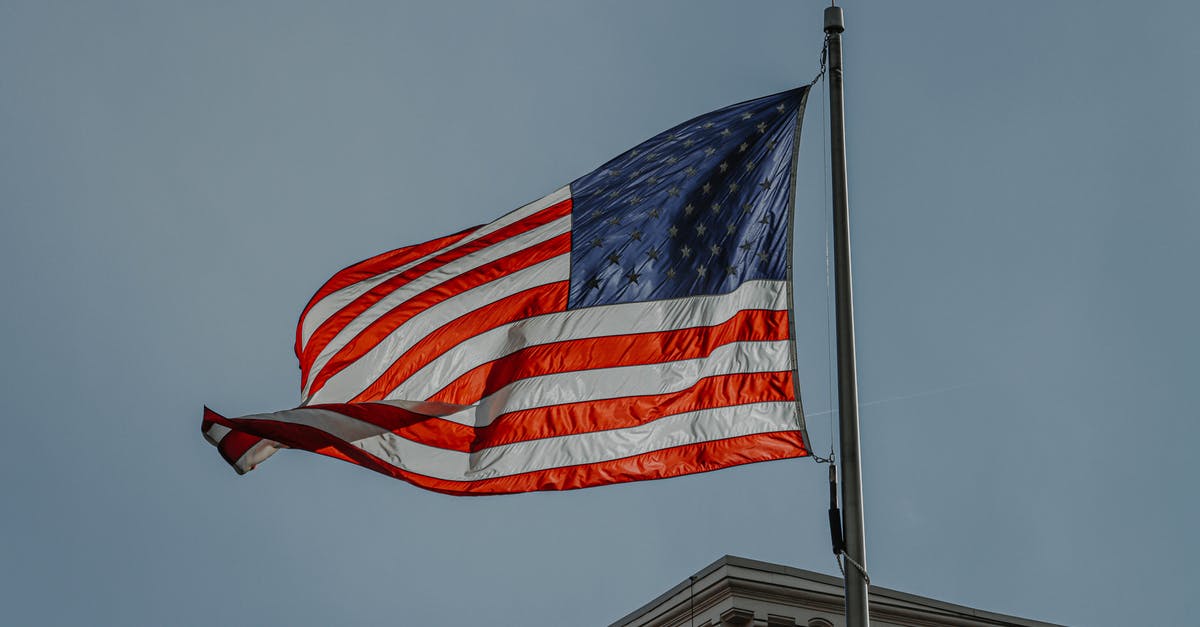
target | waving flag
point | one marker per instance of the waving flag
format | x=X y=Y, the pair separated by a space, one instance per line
x=635 y=324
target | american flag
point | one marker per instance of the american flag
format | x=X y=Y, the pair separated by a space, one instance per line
x=634 y=324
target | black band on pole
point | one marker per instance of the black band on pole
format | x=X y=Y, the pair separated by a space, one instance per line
x=835 y=515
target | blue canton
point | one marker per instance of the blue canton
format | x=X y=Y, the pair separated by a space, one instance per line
x=696 y=210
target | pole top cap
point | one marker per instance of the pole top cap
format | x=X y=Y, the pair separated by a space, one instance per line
x=833 y=20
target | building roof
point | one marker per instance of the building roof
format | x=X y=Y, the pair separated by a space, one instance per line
x=736 y=589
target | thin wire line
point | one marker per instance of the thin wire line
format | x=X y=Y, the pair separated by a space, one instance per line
x=692 y=595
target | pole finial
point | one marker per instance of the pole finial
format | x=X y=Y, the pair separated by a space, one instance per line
x=833 y=20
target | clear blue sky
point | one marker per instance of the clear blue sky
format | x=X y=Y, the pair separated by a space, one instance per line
x=177 y=178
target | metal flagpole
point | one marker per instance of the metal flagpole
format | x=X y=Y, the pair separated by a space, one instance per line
x=852 y=506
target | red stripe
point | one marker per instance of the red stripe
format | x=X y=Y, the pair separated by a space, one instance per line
x=301 y=437
x=630 y=411
x=376 y=265
x=380 y=328
x=573 y=418
x=568 y=419
x=613 y=351
x=234 y=444
x=660 y=464
x=421 y=428
x=536 y=301
x=332 y=325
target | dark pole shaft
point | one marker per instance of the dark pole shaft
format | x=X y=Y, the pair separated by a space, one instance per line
x=852 y=501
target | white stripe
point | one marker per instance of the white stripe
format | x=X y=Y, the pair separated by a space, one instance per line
x=644 y=380
x=360 y=373
x=433 y=278
x=600 y=321
x=255 y=455
x=216 y=433
x=331 y=303
x=569 y=450
x=264 y=448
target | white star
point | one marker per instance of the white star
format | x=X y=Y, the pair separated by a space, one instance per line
x=716 y=250
x=781 y=108
x=689 y=209
x=689 y=171
x=747 y=115
x=762 y=127
x=673 y=192
x=686 y=251
x=673 y=231
x=700 y=229
x=725 y=132
x=708 y=152
x=733 y=187
x=701 y=270
x=731 y=228
x=724 y=166
x=716 y=207
x=743 y=147
x=707 y=188
x=688 y=143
